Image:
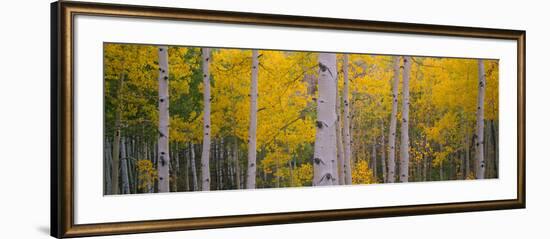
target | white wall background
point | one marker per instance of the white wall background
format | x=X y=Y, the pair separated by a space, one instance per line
x=24 y=120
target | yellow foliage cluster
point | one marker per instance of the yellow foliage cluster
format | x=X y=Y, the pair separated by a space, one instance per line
x=282 y=97
x=277 y=165
x=303 y=175
x=441 y=155
x=445 y=130
x=285 y=120
x=446 y=108
x=147 y=174
x=185 y=131
x=361 y=173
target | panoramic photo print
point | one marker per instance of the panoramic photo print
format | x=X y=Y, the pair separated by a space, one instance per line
x=183 y=118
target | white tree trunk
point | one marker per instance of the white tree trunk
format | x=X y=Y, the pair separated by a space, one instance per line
x=186 y=167
x=193 y=167
x=324 y=158
x=347 y=124
x=404 y=159
x=175 y=169
x=393 y=121
x=205 y=158
x=480 y=160
x=251 y=172
x=164 y=121
x=124 y=167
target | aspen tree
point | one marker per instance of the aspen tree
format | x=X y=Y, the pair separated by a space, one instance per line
x=404 y=150
x=205 y=157
x=124 y=167
x=479 y=143
x=164 y=121
x=251 y=171
x=193 y=166
x=393 y=121
x=324 y=157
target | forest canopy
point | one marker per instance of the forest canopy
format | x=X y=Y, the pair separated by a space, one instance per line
x=195 y=119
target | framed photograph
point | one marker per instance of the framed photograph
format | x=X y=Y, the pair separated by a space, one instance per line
x=170 y=119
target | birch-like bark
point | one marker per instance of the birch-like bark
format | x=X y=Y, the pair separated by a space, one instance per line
x=480 y=160
x=347 y=127
x=116 y=141
x=404 y=157
x=124 y=167
x=324 y=157
x=251 y=171
x=175 y=168
x=187 y=168
x=393 y=121
x=193 y=167
x=205 y=158
x=163 y=155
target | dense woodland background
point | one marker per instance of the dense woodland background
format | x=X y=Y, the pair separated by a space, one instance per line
x=233 y=119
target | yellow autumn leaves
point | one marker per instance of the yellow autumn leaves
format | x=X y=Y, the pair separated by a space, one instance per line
x=442 y=106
